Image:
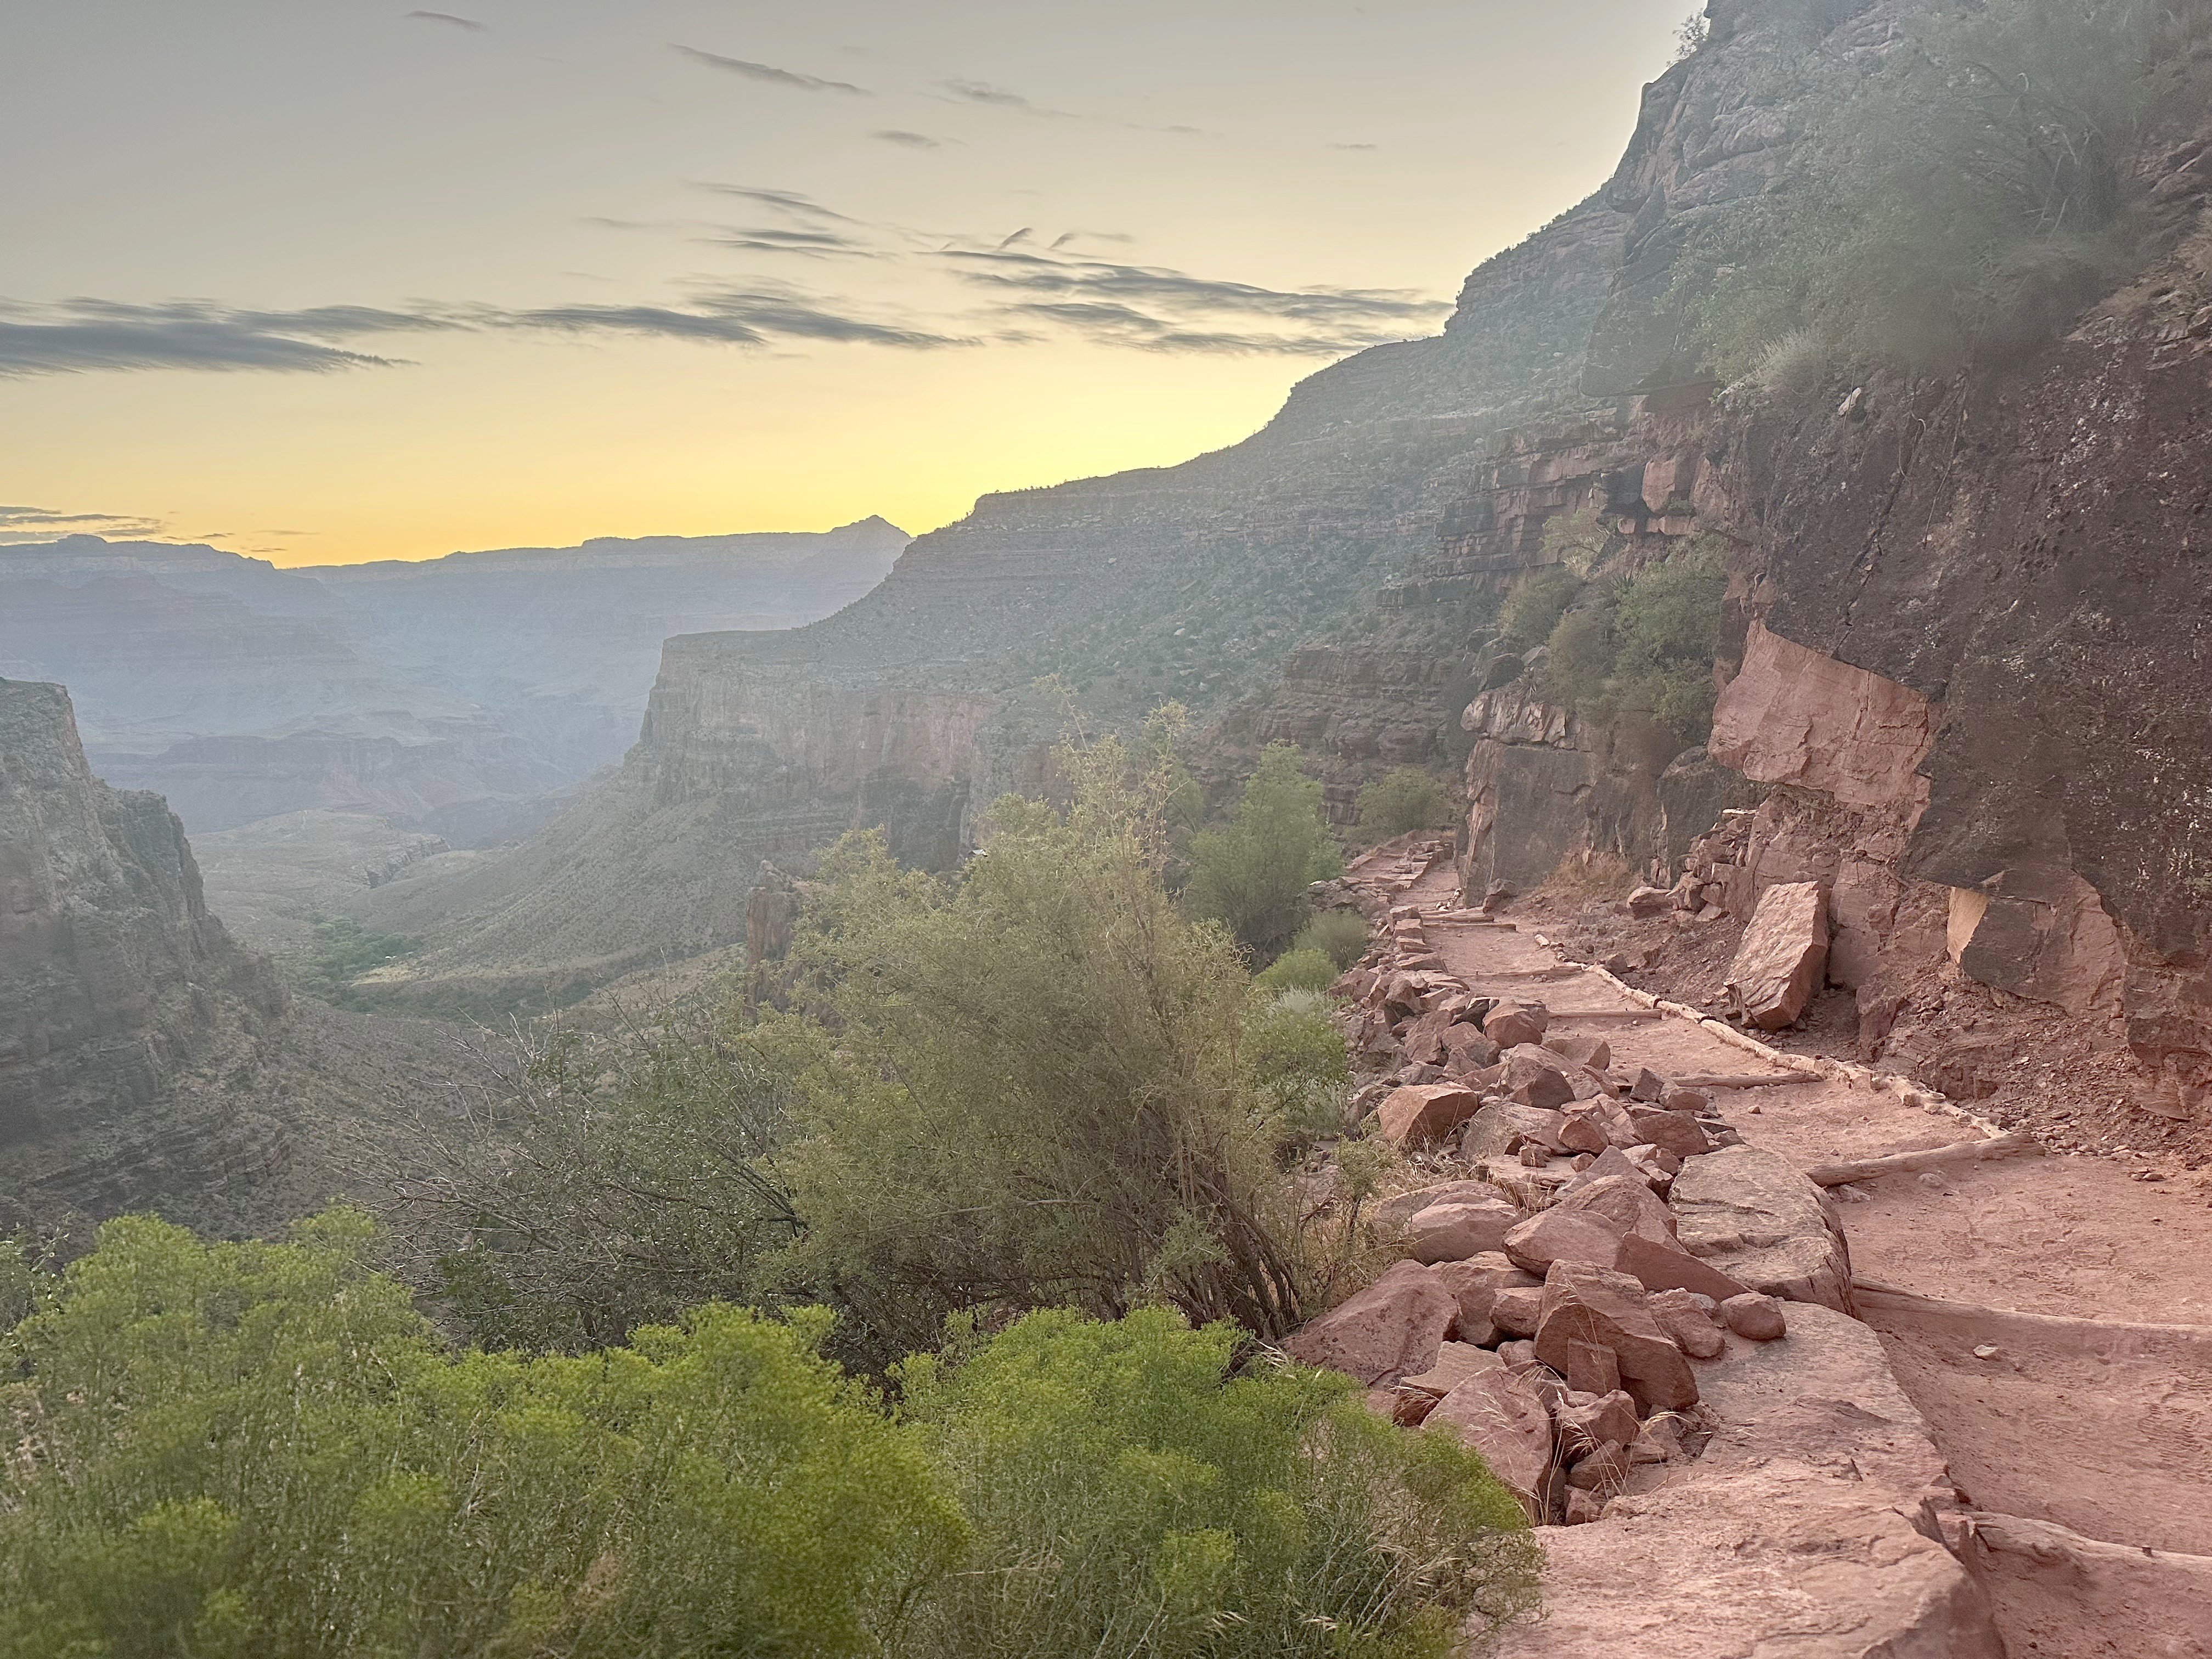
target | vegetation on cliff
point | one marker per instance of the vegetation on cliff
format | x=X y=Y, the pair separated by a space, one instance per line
x=1968 y=196
x=1251 y=874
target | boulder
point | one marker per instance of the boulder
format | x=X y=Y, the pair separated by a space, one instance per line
x=1424 y=1039
x=1684 y=1100
x=1648 y=902
x=1602 y=1471
x=1516 y=1309
x=1475 y=1282
x=1616 y=1161
x=1509 y=1025
x=1456 y=1363
x=1655 y=1165
x=1754 y=1216
x=1594 y=1054
x=1419 y=1115
x=1587 y=1421
x=1504 y=1127
x=1456 y=1229
x=1535 y=1076
x=1563 y=1235
x=1591 y=1369
x=1658 y=1266
x=1754 y=1316
x=1583 y=1302
x=1784 y=956
x=1505 y=1420
x=1390 y=1214
x=1674 y=1132
x=1648 y=1085
x=1583 y=1507
x=1625 y=1203
x=1681 y=1316
x=1592 y=1125
x=1390 y=1329
x=1467 y=1048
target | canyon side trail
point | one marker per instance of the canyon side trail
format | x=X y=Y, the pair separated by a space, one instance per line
x=2049 y=1316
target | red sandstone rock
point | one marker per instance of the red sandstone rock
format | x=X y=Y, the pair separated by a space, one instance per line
x=1692 y=1328
x=1465 y=1046
x=1563 y=1235
x=1591 y=1369
x=1417 y=1117
x=1390 y=1214
x=1755 y=1316
x=1394 y=1326
x=1516 y=1309
x=1588 y=1421
x=1669 y=1267
x=1593 y=1053
x=1592 y=1125
x=1784 y=956
x=1475 y=1281
x=1535 y=1076
x=1601 y=1472
x=1510 y=1024
x=1583 y=1303
x=1626 y=1204
x=1506 y=1421
x=1456 y=1363
x=1456 y=1229
x=1675 y=1132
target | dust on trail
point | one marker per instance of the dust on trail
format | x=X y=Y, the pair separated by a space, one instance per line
x=2106 y=1431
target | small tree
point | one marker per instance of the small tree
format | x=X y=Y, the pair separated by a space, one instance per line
x=1403 y=799
x=1252 y=875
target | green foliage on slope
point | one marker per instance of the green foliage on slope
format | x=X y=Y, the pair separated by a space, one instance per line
x=1402 y=799
x=1967 y=196
x=343 y=951
x=1251 y=875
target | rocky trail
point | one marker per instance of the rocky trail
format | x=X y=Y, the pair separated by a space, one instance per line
x=2027 y=1377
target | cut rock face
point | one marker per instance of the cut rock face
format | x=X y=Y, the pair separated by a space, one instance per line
x=1784 y=956
x=1587 y=1303
x=1391 y=1330
x=1754 y=1216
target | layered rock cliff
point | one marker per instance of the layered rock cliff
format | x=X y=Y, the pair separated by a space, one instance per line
x=117 y=989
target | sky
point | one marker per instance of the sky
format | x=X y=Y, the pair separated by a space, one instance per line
x=337 y=281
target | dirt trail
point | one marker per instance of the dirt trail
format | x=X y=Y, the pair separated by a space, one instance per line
x=2106 y=1429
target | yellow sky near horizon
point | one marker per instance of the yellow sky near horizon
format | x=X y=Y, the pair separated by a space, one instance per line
x=337 y=284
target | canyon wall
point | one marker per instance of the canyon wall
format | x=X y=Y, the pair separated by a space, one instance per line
x=116 y=986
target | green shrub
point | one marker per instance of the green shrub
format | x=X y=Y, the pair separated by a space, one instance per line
x=1534 y=605
x=1252 y=875
x=1666 y=625
x=1342 y=936
x=343 y=951
x=1297 y=970
x=1032 y=1093
x=258 y=1451
x=1299 y=1062
x=1970 y=195
x=1578 y=656
x=1402 y=799
x=603 y=1183
x=1131 y=1497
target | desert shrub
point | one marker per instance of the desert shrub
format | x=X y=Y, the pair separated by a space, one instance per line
x=1968 y=196
x=1132 y=1496
x=340 y=950
x=1342 y=936
x=1299 y=1062
x=1665 y=624
x=1032 y=1093
x=1297 y=970
x=258 y=1451
x=1578 y=656
x=1251 y=875
x=1534 y=605
x=1402 y=799
x=593 y=1182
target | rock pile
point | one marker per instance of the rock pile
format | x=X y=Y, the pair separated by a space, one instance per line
x=1603 y=1235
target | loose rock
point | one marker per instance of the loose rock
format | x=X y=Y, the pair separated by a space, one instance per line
x=1393 y=1328
x=1516 y=1309
x=1417 y=1117
x=1563 y=1235
x=1583 y=1303
x=1756 y=1316
x=1680 y=1316
x=1510 y=1024
x=1784 y=956
x=1505 y=1419
x=1456 y=1229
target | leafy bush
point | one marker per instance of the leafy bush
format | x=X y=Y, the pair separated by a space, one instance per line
x=1033 y=1093
x=1402 y=799
x=1534 y=605
x=343 y=951
x=1297 y=970
x=1644 y=644
x=1970 y=195
x=593 y=1186
x=1342 y=936
x=1299 y=1063
x=255 y=1451
x=1252 y=876
x=1132 y=1498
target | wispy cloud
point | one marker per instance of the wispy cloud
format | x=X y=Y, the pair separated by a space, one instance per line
x=768 y=74
x=982 y=91
x=39 y=524
x=86 y=335
x=730 y=316
x=908 y=140
x=469 y=23
x=786 y=201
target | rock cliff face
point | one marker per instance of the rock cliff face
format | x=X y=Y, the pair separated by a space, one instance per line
x=116 y=986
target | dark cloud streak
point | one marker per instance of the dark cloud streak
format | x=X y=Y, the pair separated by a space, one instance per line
x=768 y=74
x=468 y=23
